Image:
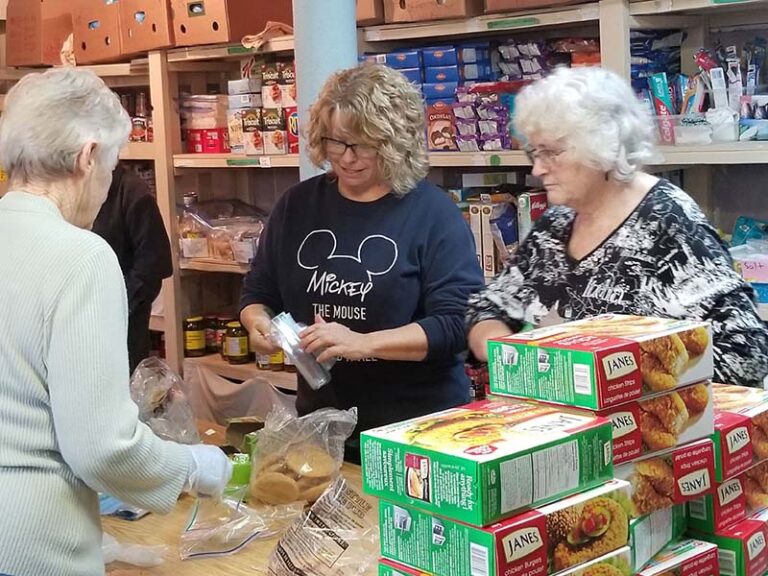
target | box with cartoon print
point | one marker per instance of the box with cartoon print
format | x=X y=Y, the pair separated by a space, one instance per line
x=275 y=137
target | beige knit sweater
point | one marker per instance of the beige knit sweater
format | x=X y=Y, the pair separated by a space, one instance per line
x=68 y=427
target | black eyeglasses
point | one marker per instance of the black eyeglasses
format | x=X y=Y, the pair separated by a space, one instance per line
x=337 y=149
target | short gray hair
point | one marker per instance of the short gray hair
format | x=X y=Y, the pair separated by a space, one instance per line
x=49 y=117
x=593 y=112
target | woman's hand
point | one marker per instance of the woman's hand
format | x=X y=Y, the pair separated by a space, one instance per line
x=327 y=340
x=481 y=332
x=257 y=320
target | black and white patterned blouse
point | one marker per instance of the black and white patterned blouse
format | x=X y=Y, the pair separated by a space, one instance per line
x=664 y=260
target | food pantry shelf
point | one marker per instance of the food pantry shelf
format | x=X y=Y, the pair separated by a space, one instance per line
x=651 y=7
x=227 y=51
x=211 y=265
x=232 y=161
x=732 y=153
x=138 y=151
x=218 y=365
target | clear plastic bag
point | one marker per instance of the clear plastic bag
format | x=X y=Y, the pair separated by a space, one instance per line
x=296 y=459
x=133 y=554
x=158 y=392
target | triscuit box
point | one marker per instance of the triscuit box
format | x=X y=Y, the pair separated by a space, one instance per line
x=688 y=557
x=732 y=501
x=670 y=477
x=253 y=131
x=741 y=428
x=487 y=460
x=651 y=533
x=741 y=547
x=660 y=421
x=275 y=136
x=602 y=361
x=547 y=540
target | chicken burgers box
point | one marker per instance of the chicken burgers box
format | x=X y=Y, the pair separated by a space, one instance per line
x=674 y=476
x=742 y=547
x=487 y=460
x=741 y=428
x=684 y=558
x=601 y=362
x=538 y=542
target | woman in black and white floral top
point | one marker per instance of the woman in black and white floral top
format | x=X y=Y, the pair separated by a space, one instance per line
x=616 y=239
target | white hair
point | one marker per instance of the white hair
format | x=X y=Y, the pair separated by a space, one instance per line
x=594 y=113
x=50 y=117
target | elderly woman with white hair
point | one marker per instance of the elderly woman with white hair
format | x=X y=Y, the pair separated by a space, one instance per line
x=68 y=427
x=616 y=239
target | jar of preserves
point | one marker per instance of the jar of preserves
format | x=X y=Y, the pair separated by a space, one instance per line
x=236 y=344
x=194 y=337
x=211 y=326
x=221 y=333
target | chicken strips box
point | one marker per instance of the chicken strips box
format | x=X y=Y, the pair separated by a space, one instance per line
x=684 y=558
x=741 y=547
x=670 y=477
x=601 y=362
x=487 y=460
x=538 y=542
x=741 y=428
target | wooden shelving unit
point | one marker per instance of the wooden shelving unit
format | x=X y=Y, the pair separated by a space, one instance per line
x=205 y=161
x=218 y=365
x=210 y=265
x=138 y=151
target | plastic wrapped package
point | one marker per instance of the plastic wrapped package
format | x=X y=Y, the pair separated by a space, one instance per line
x=159 y=393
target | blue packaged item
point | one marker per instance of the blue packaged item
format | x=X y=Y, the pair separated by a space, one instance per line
x=413 y=74
x=443 y=90
x=432 y=101
x=472 y=52
x=439 y=56
x=441 y=74
x=747 y=228
x=399 y=59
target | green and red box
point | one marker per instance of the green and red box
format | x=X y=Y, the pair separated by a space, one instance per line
x=651 y=533
x=688 y=557
x=742 y=547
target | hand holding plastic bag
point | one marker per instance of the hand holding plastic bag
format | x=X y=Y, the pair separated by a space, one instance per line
x=210 y=471
x=133 y=554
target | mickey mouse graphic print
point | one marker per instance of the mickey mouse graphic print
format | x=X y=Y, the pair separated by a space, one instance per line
x=665 y=260
x=373 y=266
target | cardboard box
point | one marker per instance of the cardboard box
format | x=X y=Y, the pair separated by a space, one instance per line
x=36 y=31
x=485 y=461
x=287 y=83
x=96 y=28
x=441 y=127
x=369 y=12
x=208 y=141
x=511 y=5
x=244 y=101
x=601 y=362
x=253 y=132
x=145 y=25
x=741 y=428
x=238 y=428
x=660 y=421
x=292 y=128
x=671 y=477
x=687 y=557
x=547 y=540
x=275 y=136
x=244 y=86
x=742 y=547
x=650 y=534
x=235 y=127
x=225 y=21
x=419 y=10
x=271 y=93
x=477 y=230
x=390 y=568
x=530 y=205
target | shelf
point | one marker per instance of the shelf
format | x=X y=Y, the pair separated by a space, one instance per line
x=233 y=161
x=486 y=159
x=211 y=265
x=732 y=153
x=575 y=14
x=157 y=323
x=218 y=365
x=138 y=151
x=656 y=7
x=227 y=51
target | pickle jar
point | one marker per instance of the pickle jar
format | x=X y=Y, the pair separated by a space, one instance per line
x=194 y=337
x=236 y=344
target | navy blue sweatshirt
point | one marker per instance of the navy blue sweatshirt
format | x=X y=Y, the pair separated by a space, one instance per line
x=373 y=266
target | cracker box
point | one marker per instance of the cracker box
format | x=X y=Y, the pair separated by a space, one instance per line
x=487 y=460
x=244 y=86
x=651 y=533
x=687 y=557
x=292 y=128
x=243 y=101
x=538 y=542
x=235 y=126
x=741 y=547
x=674 y=476
x=732 y=501
x=660 y=421
x=287 y=83
x=601 y=362
x=275 y=137
x=271 y=93
x=253 y=131
x=741 y=428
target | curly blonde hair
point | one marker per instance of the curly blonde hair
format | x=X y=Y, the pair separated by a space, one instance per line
x=380 y=107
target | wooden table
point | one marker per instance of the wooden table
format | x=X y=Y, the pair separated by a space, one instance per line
x=154 y=530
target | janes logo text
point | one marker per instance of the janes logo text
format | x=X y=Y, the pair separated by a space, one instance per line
x=521 y=543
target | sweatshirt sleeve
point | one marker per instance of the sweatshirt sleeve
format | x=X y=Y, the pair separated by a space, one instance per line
x=96 y=422
x=451 y=274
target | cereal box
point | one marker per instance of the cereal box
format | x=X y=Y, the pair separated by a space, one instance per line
x=292 y=129
x=741 y=547
x=670 y=477
x=253 y=131
x=741 y=428
x=487 y=460
x=601 y=362
x=275 y=137
x=687 y=557
x=271 y=93
x=538 y=542
x=649 y=534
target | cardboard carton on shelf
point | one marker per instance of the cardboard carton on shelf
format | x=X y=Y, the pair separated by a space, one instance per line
x=687 y=556
x=742 y=547
x=370 y=12
x=97 y=32
x=512 y=5
x=487 y=460
x=547 y=540
x=602 y=361
x=651 y=533
x=396 y=11
x=145 y=25
x=36 y=31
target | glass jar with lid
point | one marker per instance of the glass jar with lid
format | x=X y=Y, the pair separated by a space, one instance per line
x=236 y=343
x=194 y=337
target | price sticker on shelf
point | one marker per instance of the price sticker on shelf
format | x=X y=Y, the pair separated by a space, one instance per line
x=508 y=23
x=265 y=162
x=716 y=2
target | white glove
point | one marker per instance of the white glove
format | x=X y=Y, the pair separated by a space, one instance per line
x=210 y=471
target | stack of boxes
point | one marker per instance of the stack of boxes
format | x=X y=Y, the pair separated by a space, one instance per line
x=204 y=123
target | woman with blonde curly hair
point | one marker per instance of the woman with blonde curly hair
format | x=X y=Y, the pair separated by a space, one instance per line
x=377 y=260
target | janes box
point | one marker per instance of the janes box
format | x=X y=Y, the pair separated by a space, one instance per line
x=538 y=542
x=485 y=461
x=601 y=362
x=732 y=501
x=651 y=533
x=673 y=476
x=741 y=428
x=742 y=547
x=687 y=557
